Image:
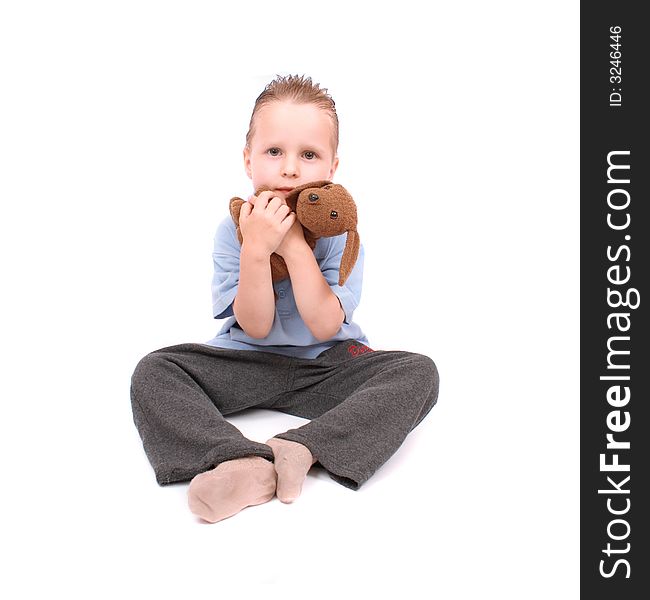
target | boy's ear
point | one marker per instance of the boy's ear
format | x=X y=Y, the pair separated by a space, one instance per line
x=335 y=165
x=247 y=162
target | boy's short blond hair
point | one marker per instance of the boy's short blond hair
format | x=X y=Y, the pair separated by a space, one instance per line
x=301 y=90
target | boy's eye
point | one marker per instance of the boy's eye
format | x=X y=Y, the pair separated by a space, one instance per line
x=309 y=154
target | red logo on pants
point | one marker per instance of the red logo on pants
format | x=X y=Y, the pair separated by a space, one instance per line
x=355 y=350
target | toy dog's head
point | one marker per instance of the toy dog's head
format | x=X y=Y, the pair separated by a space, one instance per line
x=326 y=209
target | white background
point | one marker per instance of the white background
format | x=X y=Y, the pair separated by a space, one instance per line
x=122 y=127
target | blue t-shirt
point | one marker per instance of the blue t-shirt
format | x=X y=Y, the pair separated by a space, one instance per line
x=289 y=334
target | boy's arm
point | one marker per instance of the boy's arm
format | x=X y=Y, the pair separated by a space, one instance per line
x=263 y=227
x=318 y=306
x=254 y=305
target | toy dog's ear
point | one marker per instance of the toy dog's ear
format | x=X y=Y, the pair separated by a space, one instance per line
x=350 y=255
x=235 y=209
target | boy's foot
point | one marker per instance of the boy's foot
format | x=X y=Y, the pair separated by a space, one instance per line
x=230 y=487
x=292 y=462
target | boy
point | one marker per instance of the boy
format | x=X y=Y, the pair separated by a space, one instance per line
x=301 y=354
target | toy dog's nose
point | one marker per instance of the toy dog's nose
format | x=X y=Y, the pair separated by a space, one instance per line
x=334 y=215
x=313 y=197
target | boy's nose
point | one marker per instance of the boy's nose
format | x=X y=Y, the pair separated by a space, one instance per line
x=290 y=168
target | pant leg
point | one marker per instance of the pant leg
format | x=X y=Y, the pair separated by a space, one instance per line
x=179 y=395
x=362 y=404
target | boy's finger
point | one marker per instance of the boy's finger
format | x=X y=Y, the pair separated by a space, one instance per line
x=274 y=204
x=288 y=221
x=261 y=202
x=271 y=194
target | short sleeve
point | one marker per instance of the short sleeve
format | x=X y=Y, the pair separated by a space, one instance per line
x=349 y=294
x=225 y=279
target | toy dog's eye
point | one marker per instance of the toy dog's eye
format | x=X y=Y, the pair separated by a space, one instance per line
x=313 y=197
x=334 y=215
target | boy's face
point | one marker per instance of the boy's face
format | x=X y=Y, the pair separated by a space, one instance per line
x=291 y=145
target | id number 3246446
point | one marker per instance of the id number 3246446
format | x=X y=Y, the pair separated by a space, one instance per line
x=616 y=66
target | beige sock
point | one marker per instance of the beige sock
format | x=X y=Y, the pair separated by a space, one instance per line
x=292 y=463
x=230 y=487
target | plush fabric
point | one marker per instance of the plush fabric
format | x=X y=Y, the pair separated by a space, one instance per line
x=324 y=209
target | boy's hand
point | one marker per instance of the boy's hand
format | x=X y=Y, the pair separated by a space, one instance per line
x=264 y=221
x=294 y=240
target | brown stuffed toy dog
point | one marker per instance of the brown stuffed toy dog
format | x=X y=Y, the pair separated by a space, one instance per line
x=324 y=209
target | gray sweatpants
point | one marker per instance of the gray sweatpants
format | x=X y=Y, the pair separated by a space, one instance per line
x=362 y=405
